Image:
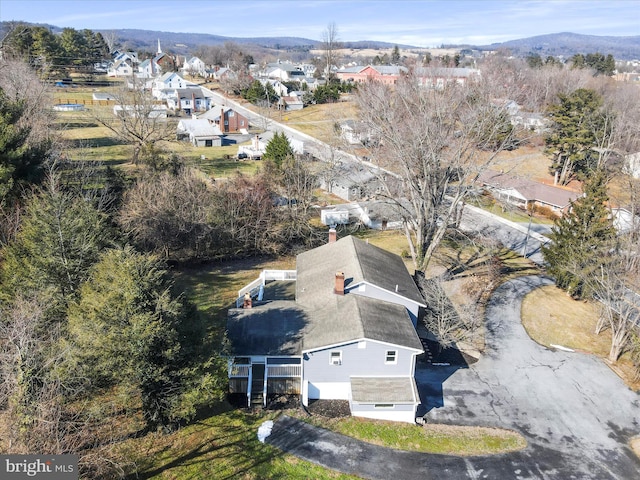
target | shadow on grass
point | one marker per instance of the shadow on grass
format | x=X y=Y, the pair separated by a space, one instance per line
x=95 y=142
x=231 y=454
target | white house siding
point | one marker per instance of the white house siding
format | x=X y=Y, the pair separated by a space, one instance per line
x=328 y=391
x=398 y=413
x=326 y=380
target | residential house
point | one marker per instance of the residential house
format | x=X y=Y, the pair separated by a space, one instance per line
x=387 y=74
x=194 y=67
x=255 y=150
x=439 y=77
x=354 y=133
x=227 y=119
x=188 y=100
x=166 y=82
x=284 y=71
x=530 y=120
x=278 y=87
x=200 y=132
x=121 y=68
x=166 y=62
x=290 y=103
x=123 y=65
x=373 y=214
x=149 y=69
x=351 y=182
x=339 y=327
x=221 y=73
x=525 y=193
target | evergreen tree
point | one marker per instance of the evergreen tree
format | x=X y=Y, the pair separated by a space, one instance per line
x=581 y=239
x=395 y=56
x=578 y=125
x=60 y=237
x=127 y=328
x=278 y=149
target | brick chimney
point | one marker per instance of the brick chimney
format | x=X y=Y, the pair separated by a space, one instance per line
x=223 y=129
x=333 y=236
x=339 y=287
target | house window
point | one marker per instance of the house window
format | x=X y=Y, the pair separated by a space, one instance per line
x=242 y=123
x=391 y=357
x=226 y=122
x=231 y=113
x=336 y=358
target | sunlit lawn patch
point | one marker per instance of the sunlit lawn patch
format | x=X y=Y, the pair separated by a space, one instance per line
x=551 y=317
x=430 y=438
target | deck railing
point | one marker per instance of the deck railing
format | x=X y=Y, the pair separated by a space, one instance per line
x=265 y=276
x=239 y=371
x=284 y=371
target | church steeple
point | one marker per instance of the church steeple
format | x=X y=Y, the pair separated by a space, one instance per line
x=159 y=49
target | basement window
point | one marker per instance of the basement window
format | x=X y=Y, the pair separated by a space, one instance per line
x=383 y=405
x=336 y=358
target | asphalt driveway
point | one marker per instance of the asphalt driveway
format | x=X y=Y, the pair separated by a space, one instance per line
x=575 y=413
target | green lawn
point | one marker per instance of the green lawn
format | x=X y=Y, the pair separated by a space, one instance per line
x=430 y=438
x=222 y=446
x=223 y=443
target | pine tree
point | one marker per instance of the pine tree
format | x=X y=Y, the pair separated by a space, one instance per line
x=578 y=125
x=60 y=237
x=20 y=161
x=582 y=239
x=278 y=149
x=128 y=328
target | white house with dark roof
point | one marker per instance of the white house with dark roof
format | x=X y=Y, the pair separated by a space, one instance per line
x=339 y=327
x=194 y=66
x=200 y=132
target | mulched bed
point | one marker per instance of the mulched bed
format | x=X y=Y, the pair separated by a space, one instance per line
x=329 y=408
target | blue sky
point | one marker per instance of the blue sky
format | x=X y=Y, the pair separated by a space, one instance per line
x=424 y=23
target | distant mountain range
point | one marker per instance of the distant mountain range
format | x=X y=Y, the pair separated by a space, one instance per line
x=557 y=44
x=568 y=44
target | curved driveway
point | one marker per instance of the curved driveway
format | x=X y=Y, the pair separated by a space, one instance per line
x=575 y=413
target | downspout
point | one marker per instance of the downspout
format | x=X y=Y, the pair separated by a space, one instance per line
x=249 y=386
x=304 y=407
x=264 y=385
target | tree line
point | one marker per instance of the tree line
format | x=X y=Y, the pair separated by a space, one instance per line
x=52 y=54
x=93 y=330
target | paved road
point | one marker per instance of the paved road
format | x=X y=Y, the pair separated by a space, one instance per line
x=515 y=236
x=575 y=413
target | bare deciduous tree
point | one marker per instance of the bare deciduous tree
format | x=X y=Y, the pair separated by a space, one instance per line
x=169 y=214
x=330 y=46
x=434 y=142
x=137 y=121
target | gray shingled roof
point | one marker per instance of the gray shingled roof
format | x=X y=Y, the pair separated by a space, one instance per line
x=319 y=318
x=360 y=262
x=532 y=191
x=383 y=390
x=274 y=328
